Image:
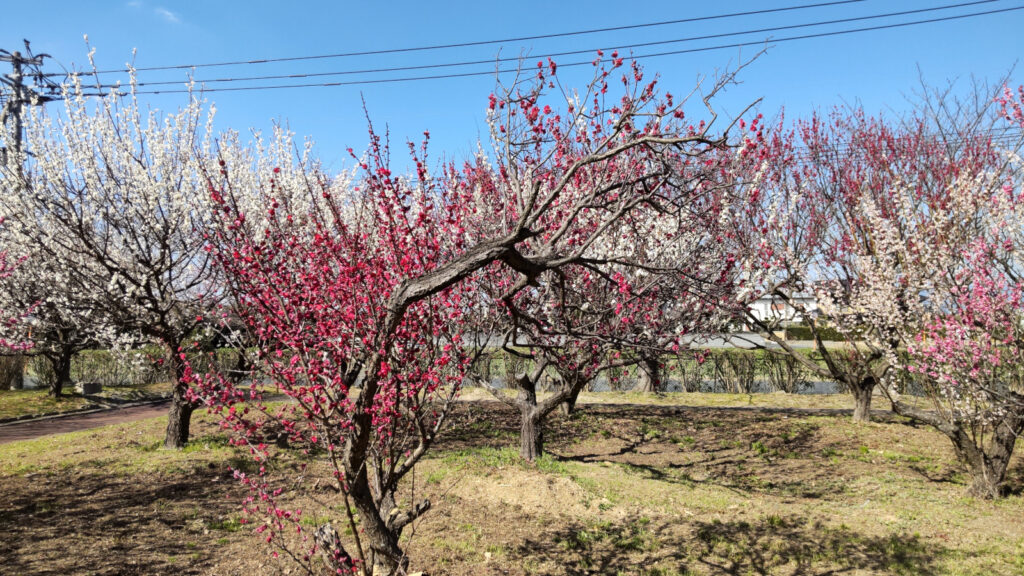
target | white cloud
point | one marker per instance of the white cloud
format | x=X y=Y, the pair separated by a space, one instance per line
x=167 y=15
x=134 y=4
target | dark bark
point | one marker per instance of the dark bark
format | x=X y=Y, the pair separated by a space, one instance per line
x=531 y=434
x=179 y=416
x=987 y=467
x=386 y=558
x=61 y=363
x=648 y=375
x=179 y=419
x=862 y=391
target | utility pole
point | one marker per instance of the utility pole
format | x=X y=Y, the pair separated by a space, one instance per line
x=15 y=96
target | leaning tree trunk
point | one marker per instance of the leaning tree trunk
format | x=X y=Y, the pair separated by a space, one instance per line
x=862 y=391
x=648 y=375
x=386 y=557
x=378 y=533
x=179 y=416
x=61 y=363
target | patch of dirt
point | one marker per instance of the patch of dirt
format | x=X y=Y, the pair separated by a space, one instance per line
x=526 y=491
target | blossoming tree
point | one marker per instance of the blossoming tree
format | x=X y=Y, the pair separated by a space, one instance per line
x=113 y=202
x=968 y=351
x=862 y=213
x=971 y=361
x=9 y=317
x=362 y=322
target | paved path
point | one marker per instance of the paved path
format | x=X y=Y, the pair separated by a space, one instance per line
x=62 y=424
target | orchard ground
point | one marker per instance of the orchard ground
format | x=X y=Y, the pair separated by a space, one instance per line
x=633 y=484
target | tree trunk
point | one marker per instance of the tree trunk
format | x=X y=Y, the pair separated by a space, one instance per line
x=386 y=557
x=179 y=417
x=987 y=474
x=569 y=406
x=12 y=372
x=531 y=430
x=61 y=363
x=986 y=482
x=862 y=391
x=531 y=434
x=376 y=538
x=648 y=375
x=987 y=468
x=985 y=464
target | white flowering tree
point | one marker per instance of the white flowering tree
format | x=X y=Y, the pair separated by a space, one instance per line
x=60 y=324
x=10 y=316
x=113 y=201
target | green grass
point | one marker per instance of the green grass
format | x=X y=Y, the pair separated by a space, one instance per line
x=489 y=458
x=15 y=403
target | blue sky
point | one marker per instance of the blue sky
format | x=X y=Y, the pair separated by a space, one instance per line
x=878 y=69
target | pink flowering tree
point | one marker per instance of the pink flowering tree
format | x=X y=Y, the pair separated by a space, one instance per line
x=968 y=352
x=907 y=235
x=360 y=312
x=971 y=360
x=322 y=290
x=634 y=221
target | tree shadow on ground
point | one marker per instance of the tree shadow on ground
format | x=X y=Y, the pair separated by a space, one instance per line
x=96 y=523
x=792 y=545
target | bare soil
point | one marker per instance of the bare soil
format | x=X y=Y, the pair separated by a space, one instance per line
x=626 y=489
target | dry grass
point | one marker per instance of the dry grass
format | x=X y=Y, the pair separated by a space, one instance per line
x=638 y=489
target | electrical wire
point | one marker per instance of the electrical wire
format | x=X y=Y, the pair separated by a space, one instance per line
x=590 y=62
x=481 y=42
x=567 y=53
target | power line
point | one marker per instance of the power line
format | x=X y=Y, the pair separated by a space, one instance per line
x=591 y=62
x=481 y=42
x=569 y=53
